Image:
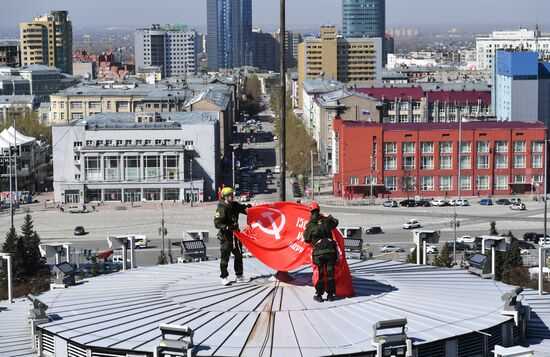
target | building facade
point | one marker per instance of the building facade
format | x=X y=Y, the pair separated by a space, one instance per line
x=32 y=80
x=348 y=60
x=523 y=39
x=171 y=48
x=409 y=160
x=364 y=18
x=265 y=49
x=132 y=157
x=9 y=55
x=48 y=40
x=521 y=87
x=229 y=39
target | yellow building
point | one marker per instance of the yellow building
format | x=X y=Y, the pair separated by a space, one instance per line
x=48 y=40
x=348 y=60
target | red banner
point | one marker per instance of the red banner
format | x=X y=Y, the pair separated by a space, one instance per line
x=275 y=235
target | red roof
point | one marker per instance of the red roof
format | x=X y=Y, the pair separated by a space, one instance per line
x=391 y=93
x=470 y=97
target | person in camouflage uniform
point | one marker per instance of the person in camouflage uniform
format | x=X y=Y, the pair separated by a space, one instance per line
x=227 y=220
x=325 y=253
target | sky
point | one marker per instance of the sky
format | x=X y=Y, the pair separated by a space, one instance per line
x=420 y=13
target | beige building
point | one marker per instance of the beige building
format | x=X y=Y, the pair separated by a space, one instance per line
x=348 y=60
x=48 y=40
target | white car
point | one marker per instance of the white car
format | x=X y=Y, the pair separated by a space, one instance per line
x=439 y=202
x=431 y=249
x=388 y=248
x=466 y=239
x=412 y=223
x=460 y=202
x=518 y=206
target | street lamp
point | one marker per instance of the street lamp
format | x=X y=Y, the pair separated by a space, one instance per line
x=542 y=252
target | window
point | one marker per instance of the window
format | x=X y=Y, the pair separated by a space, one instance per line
x=132 y=168
x=390 y=182
x=171 y=194
x=390 y=148
x=501 y=146
x=536 y=161
x=519 y=178
x=77 y=144
x=465 y=183
x=408 y=163
x=445 y=183
x=519 y=161
x=445 y=147
x=445 y=162
x=426 y=183
x=465 y=162
x=112 y=195
x=93 y=168
x=482 y=182
x=76 y=105
x=171 y=168
x=390 y=163
x=501 y=182
x=482 y=146
x=537 y=146
x=520 y=146
x=427 y=163
x=501 y=161
x=368 y=180
x=483 y=162
x=408 y=148
x=152 y=167
x=127 y=142
x=427 y=147
x=94 y=105
x=408 y=183
x=537 y=178
x=112 y=168
x=109 y=105
x=465 y=147
x=119 y=143
x=77 y=116
x=354 y=180
x=122 y=106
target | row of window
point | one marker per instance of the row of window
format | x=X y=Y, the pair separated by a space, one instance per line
x=446 y=162
x=446 y=147
x=133 y=169
x=446 y=183
x=137 y=142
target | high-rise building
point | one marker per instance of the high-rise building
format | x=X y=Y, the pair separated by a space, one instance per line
x=229 y=41
x=521 y=89
x=9 y=55
x=265 y=50
x=363 y=18
x=48 y=40
x=172 y=48
x=353 y=60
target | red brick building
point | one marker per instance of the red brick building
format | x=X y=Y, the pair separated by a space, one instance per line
x=421 y=159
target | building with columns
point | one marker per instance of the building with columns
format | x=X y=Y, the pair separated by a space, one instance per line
x=127 y=157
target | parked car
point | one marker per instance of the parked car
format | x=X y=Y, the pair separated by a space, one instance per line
x=462 y=202
x=390 y=203
x=460 y=246
x=515 y=200
x=77 y=208
x=439 y=202
x=423 y=203
x=391 y=248
x=486 y=202
x=408 y=203
x=412 y=223
x=532 y=237
x=466 y=239
x=373 y=230
x=503 y=202
x=518 y=206
x=79 y=231
x=431 y=249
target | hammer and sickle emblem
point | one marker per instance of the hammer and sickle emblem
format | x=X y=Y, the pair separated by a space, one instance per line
x=275 y=229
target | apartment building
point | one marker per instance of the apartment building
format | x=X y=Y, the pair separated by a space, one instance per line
x=331 y=56
x=48 y=40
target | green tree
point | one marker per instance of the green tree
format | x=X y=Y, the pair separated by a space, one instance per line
x=493 y=230
x=445 y=258
x=253 y=94
x=511 y=261
x=411 y=257
x=34 y=263
x=28 y=124
x=14 y=246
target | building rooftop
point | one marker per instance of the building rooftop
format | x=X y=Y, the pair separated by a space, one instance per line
x=470 y=97
x=171 y=120
x=331 y=97
x=17 y=99
x=320 y=85
x=393 y=93
x=474 y=125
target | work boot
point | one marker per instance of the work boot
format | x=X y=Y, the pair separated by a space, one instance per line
x=330 y=297
x=318 y=298
x=226 y=281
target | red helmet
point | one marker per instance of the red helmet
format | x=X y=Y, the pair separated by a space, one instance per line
x=313 y=206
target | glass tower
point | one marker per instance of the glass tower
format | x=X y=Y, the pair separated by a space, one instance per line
x=228 y=43
x=364 y=18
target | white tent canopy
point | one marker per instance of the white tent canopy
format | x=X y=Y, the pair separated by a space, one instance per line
x=10 y=137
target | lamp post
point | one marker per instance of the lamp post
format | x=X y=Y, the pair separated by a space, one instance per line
x=542 y=251
x=459 y=151
x=312 y=180
x=282 y=115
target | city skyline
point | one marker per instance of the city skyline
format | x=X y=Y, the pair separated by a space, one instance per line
x=302 y=13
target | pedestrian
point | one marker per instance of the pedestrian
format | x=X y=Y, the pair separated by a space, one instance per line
x=227 y=220
x=318 y=232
